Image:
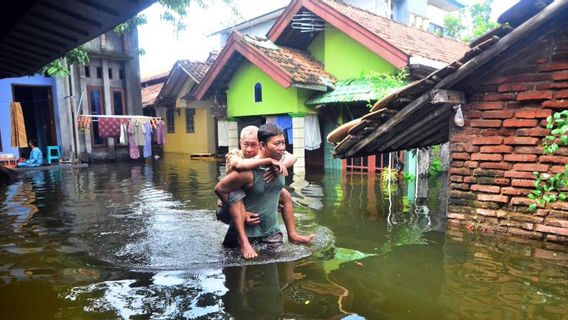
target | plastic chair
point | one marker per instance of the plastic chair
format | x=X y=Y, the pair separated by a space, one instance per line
x=52 y=156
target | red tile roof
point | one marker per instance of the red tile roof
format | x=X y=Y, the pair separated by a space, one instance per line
x=410 y=40
x=304 y=69
x=196 y=69
x=150 y=93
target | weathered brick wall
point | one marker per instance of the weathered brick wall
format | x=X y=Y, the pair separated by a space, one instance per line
x=495 y=153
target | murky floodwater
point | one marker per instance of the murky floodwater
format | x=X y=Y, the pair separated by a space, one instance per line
x=140 y=242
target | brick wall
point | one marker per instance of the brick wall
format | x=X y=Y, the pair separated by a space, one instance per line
x=495 y=153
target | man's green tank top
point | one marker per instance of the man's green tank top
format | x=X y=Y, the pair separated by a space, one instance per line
x=263 y=199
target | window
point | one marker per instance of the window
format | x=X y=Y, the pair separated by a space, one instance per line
x=170 y=121
x=117 y=102
x=87 y=71
x=96 y=108
x=121 y=74
x=258 y=92
x=99 y=72
x=110 y=73
x=190 y=120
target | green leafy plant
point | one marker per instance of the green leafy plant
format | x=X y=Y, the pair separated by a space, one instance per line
x=408 y=176
x=385 y=83
x=436 y=166
x=549 y=188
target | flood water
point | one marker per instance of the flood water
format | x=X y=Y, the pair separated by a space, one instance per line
x=139 y=241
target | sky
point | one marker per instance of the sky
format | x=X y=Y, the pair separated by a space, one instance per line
x=163 y=48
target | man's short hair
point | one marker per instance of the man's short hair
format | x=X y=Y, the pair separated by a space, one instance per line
x=249 y=131
x=267 y=131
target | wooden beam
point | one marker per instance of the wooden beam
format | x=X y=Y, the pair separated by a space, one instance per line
x=447 y=96
x=388 y=125
x=419 y=130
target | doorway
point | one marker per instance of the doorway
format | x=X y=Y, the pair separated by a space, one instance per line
x=38 y=111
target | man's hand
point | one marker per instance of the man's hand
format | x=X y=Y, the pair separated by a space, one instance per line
x=274 y=170
x=252 y=218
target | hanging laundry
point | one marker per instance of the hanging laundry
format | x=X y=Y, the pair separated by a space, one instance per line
x=161 y=132
x=139 y=132
x=147 y=140
x=312 y=134
x=123 y=133
x=132 y=146
x=109 y=127
x=83 y=122
x=285 y=122
x=270 y=119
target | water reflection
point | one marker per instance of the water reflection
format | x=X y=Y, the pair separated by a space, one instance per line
x=140 y=241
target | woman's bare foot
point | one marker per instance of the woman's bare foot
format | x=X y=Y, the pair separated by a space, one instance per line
x=296 y=238
x=248 y=252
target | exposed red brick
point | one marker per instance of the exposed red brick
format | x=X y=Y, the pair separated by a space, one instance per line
x=486 y=212
x=473 y=114
x=496 y=80
x=557 y=169
x=560 y=206
x=521 y=141
x=496 y=149
x=521 y=157
x=496 y=132
x=485 y=188
x=499 y=96
x=551 y=85
x=556 y=223
x=469 y=179
x=522 y=183
x=530 y=167
x=460 y=156
x=497 y=114
x=456 y=178
x=488 y=173
x=519 y=174
x=486 y=105
x=523 y=201
x=479 y=123
x=560 y=75
x=456 y=164
x=494 y=181
x=458 y=216
x=553 y=66
x=460 y=171
x=496 y=165
x=487 y=156
x=461 y=138
x=519 y=123
x=529 y=150
x=553 y=159
x=533 y=132
x=553 y=230
x=510 y=191
x=508 y=87
x=471 y=164
x=535 y=95
x=461 y=147
x=524 y=234
x=555 y=104
x=460 y=186
x=493 y=198
x=561 y=94
x=532 y=77
x=461 y=194
x=487 y=140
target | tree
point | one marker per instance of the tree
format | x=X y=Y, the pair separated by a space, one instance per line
x=478 y=13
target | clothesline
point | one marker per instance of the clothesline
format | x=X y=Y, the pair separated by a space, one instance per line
x=118 y=116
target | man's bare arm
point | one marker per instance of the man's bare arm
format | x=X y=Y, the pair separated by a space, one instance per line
x=231 y=182
x=289 y=159
x=250 y=164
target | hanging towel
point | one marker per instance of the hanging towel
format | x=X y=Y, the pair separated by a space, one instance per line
x=132 y=146
x=285 y=122
x=147 y=140
x=123 y=133
x=312 y=135
x=19 y=138
x=139 y=132
x=109 y=127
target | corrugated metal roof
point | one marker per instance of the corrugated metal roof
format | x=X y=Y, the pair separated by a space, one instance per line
x=352 y=90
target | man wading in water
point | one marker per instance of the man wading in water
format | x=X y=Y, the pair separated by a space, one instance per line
x=260 y=197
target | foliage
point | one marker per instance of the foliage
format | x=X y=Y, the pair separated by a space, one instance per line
x=436 y=166
x=385 y=83
x=408 y=176
x=479 y=14
x=78 y=55
x=389 y=174
x=550 y=188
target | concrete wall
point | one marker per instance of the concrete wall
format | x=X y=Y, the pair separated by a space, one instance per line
x=496 y=152
x=6 y=97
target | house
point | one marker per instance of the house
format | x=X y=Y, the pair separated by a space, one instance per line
x=273 y=79
x=108 y=85
x=506 y=86
x=151 y=87
x=191 y=125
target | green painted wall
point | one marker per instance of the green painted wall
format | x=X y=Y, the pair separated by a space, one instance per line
x=275 y=98
x=344 y=57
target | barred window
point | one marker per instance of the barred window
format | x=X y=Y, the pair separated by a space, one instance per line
x=190 y=120
x=170 y=121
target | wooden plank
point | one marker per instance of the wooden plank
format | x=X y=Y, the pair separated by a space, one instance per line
x=422 y=139
x=447 y=96
x=391 y=123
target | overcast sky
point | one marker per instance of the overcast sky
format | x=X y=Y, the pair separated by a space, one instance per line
x=163 y=48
